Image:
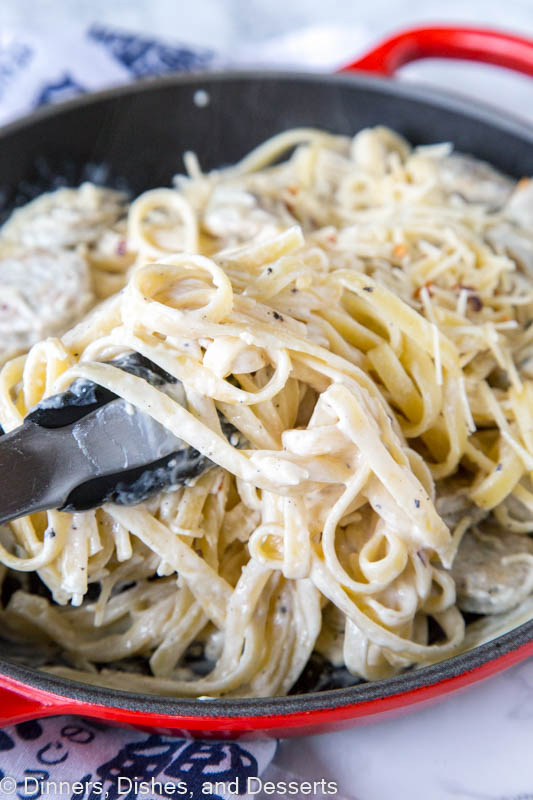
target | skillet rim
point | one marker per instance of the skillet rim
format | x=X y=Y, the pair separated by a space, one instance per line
x=436 y=97
x=235 y=708
x=403 y=685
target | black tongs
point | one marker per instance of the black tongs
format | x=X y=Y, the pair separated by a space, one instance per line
x=84 y=447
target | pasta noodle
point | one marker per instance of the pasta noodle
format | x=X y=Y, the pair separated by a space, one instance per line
x=364 y=324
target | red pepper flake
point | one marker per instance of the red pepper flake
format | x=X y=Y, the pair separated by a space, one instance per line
x=218 y=486
x=293 y=189
x=332 y=237
x=522 y=183
x=399 y=251
x=428 y=285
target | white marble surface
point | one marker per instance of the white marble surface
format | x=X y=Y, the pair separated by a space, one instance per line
x=477 y=745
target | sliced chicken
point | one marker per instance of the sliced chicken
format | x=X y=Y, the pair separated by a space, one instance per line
x=513 y=235
x=520 y=206
x=493 y=570
x=64 y=218
x=453 y=503
x=41 y=294
x=475 y=180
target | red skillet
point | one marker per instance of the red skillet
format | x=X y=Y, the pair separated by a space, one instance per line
x=140 y=131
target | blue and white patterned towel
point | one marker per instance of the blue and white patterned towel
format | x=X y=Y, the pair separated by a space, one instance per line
x=87 y=760
x=34 y=71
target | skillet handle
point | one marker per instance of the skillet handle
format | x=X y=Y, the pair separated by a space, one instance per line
x=468 y=43
x=19 y=703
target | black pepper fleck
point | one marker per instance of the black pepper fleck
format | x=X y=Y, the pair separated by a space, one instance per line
x=417 y=503
x=368 y=288
x=475 y=302
x=269 y=270
x=277 y=316
x=499 y=468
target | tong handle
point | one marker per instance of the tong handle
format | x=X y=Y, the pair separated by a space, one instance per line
x=34 y=471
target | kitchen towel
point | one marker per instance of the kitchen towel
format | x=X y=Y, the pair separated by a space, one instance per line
x=86 y=759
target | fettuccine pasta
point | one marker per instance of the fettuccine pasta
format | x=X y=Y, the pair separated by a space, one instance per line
x=360 y=313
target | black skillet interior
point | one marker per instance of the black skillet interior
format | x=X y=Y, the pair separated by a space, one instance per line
x=134 y=138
